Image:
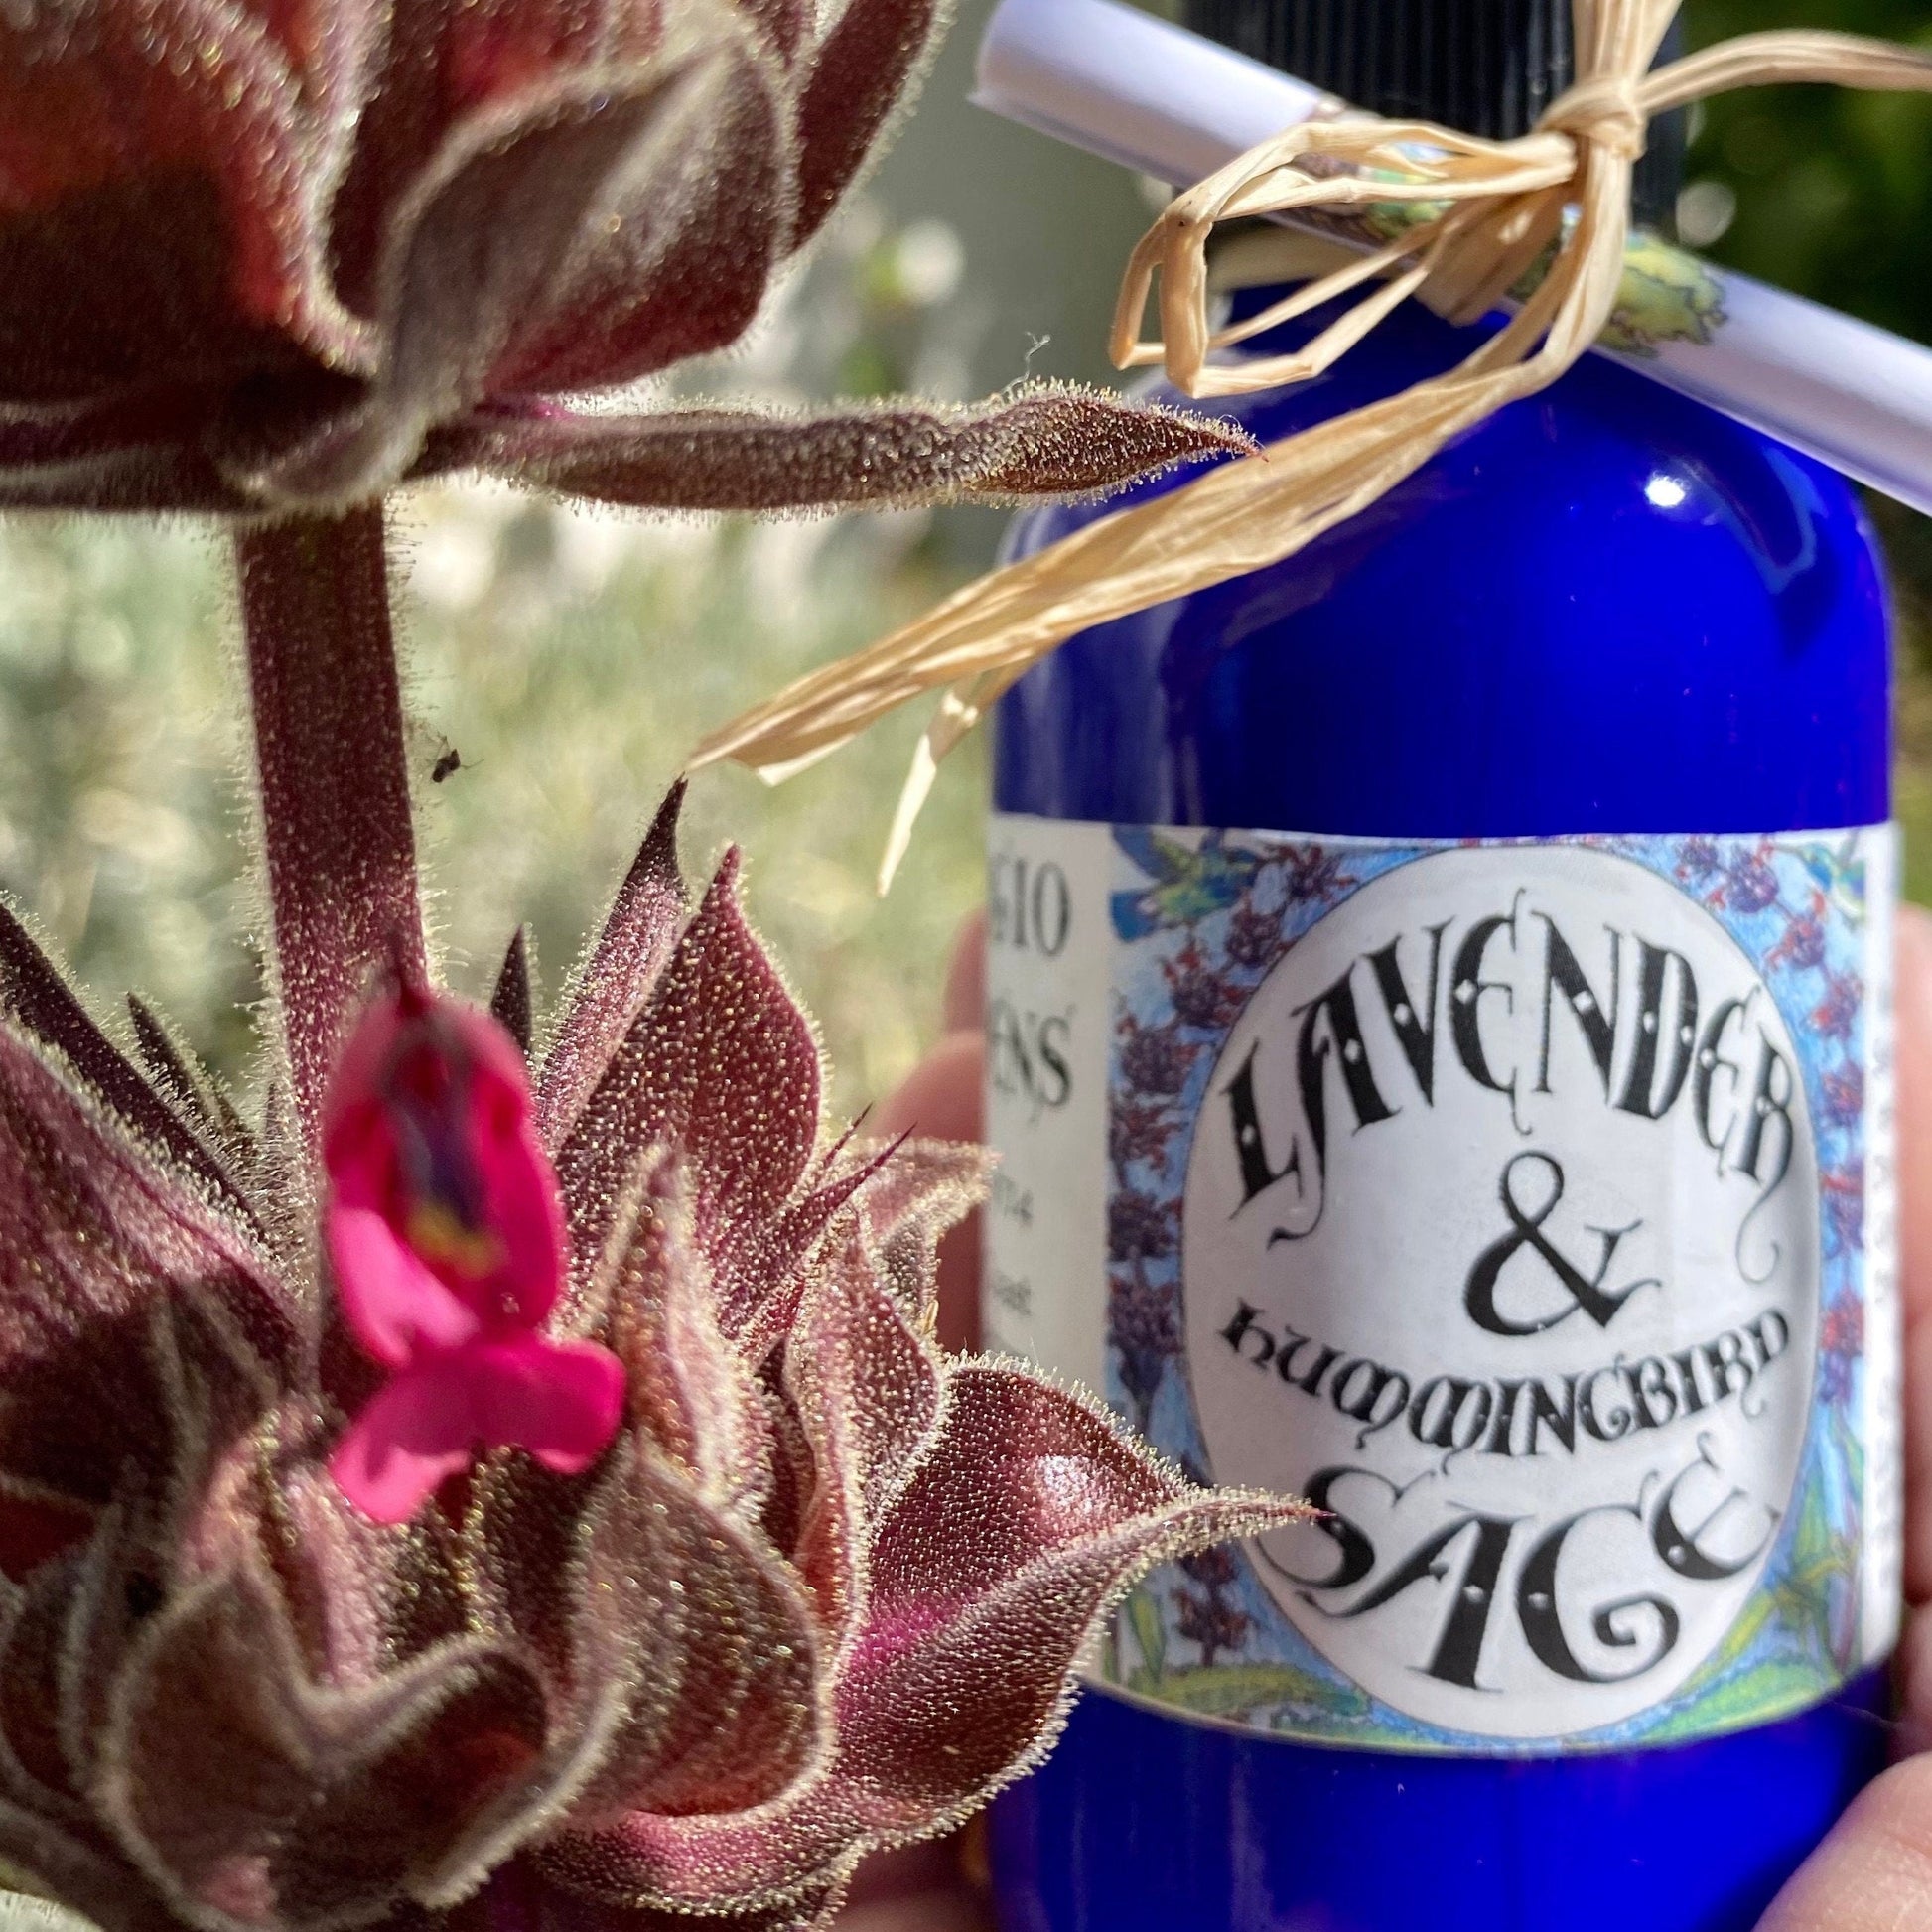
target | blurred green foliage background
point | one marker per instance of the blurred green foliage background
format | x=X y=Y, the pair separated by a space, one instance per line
x=571 y=658
x=1830 y=193
x=1824 y=191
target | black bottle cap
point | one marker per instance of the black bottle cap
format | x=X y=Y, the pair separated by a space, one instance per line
x=1485 y=67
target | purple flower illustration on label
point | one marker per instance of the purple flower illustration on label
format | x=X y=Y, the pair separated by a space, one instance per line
x=1526 y=1205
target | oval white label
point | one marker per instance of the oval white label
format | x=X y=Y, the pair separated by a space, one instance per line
x=1500 y=1240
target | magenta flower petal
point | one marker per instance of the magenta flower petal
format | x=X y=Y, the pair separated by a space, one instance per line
x=560 y=1401
x=525 y=1208
x=394 y=1304
x=446 y=1232
x=428 y=1133
x=413 y=1436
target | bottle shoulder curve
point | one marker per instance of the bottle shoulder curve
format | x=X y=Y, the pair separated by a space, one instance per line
x=1606 y=461
x=1600 y=584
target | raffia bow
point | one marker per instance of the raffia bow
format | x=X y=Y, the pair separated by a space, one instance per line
x=1490 y=211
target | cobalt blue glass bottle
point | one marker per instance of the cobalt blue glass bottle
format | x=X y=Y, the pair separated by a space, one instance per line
x=1439 y=1041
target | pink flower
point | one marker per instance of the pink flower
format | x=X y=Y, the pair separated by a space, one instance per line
x=446 y=1229
x=795 y=1586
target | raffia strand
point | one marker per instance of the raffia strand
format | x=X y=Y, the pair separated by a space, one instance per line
x=1486 y=212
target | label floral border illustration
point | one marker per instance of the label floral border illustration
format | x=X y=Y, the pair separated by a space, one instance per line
x=1199 y=920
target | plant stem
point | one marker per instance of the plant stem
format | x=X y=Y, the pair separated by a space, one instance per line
x=331 y=780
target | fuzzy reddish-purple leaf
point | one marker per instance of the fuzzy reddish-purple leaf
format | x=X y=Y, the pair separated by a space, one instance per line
x=730 y=1704
x=36 y=999
x=442 y=65
x=252 y=1796
x=590 y=1668
x=1039 y=442
x=330 y=47
x=424 y=1603
x=786 y=1249
x=212 y=1394
x=357 y=1594
x=920 y=1187
x=1032 y=1513
x=116 y=1588
x=216 y=1392
x=860 y=75
x=908 y=1203
x=38 y=1522
x=866 y=1389
x=163 y=480
x=908 y=1194
x=722 y=1066
x=80 y=1868
x=34 y=1768
x=677 y=1652
x=679 y=261
x=510 y=999
x=155 y=224
x=476 y=249
x=1027 y=1515
x=784 y=23
x=617 y=979
x=168 y=1065
x=793 y=1474
x=519 y=1898
x=524 y=1539
x=129 y=454
x=189 y=1088
x=96 y=1239
x=363 y=1600
x=691 y=1392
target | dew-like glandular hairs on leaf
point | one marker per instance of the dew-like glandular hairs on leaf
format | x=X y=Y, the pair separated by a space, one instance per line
x=821 y=1587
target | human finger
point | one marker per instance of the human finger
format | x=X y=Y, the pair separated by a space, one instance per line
x=1914 y=1069
x=956 y=1910
x=1873 y=1874
x=965 y=1000
x=910 y=1871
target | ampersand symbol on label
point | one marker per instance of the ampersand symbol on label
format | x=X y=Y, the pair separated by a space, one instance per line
x=1587 y=1292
